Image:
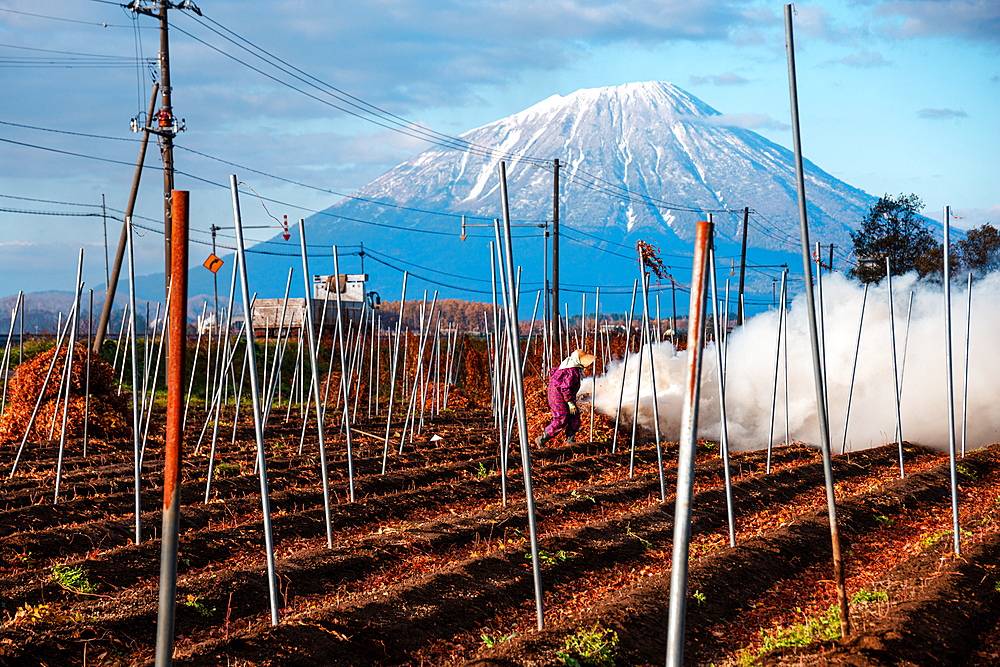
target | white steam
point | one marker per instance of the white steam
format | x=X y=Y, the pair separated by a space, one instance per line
x=751 y=360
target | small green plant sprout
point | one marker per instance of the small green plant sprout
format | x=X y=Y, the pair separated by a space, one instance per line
x=197 y=603
x=482 y=473
x=699 y=597
x=967 y=472
x=867 y=597
x=590 y=647
x=489 y=641
x=551 y=558
x=883 y=520
x=645 y=543
x=228 y=469
x=73 y=579
x=581 y=496
x=825 y=627
x=996 y=587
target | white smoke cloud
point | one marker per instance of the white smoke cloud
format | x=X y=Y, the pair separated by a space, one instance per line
x=751 y=361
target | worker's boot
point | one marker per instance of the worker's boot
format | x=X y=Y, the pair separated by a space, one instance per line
x=542 y=439
x=571 y=439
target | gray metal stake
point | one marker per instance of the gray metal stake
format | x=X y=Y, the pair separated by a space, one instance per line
x=255 y=394
x=724 y=444
x=621 y=391
x=956 y=533
x=345 y=380
x=777 y=357
x=854 y=368
x=824 y=425
x=965 y=389
x=522 y=417
x=895 y=373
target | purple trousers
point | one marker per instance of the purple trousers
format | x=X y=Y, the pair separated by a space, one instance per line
x=562 y=389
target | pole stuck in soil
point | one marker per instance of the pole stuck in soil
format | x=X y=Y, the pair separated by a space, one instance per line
x=176 y=358
x=265 y=499
x=688 y=444
x=824 y=425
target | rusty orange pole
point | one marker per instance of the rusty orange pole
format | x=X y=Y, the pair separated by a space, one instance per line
x=177 y=342
x=689 y=436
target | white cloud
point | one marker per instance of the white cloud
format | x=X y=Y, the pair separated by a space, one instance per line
x=746 y=121
x=941 y=114
x=863 y=60
x=726 y=79
x=971 y=19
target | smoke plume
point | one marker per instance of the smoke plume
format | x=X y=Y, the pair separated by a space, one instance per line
x=750 y=371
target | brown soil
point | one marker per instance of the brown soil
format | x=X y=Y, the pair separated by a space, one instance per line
x=428 y=565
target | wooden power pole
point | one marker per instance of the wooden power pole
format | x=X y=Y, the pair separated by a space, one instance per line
x=743 y=267
x=555 y=249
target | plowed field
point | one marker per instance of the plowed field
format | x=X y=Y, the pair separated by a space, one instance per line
x=429 y=567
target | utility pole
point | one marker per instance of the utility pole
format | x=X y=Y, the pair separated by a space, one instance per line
x=104 y=215
x=168 y=127
x=215 y=277
x=167 y=135
x=743 y=266
x=831 y=259
x=555 y=250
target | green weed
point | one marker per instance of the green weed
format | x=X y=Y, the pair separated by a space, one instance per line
x=489 y=641
x=967 y=472
x=645 y=543
x=580 y=496
x=197 y=603
x=589 y=647
x=824 y=627
x=866 y=597
x=482 y=473
x=551 y=558
x=699 y=597
x=73 y=579
x=883 y=520
x=228 y=469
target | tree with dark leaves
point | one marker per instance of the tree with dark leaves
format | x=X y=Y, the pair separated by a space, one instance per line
x=980 y=250
x=891 y=229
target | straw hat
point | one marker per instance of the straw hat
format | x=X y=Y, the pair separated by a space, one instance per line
x=585 y=358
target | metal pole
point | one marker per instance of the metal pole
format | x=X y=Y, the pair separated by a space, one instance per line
x=895 y=373
x=177 y=318
x=255 y=394
x=688 y=444
x=522 y=417
x=345 y=378
x=965 y=390
x=854 y=368
x=392 y=378
x=314 y=387
x=70 y=348
x=724 y=444
x=956 y=533
x=777 y=357
x=824 y=426
x=135 y=382
x=621 y=392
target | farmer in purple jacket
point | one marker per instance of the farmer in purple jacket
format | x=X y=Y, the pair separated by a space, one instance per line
x=563 y=385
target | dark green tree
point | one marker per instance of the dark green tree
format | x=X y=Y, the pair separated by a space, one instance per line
x=891 y=229
x=979 y=251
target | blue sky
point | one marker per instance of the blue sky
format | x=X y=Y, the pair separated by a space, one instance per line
x=895 y=96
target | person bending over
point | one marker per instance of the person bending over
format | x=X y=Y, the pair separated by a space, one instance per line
x=563 y=386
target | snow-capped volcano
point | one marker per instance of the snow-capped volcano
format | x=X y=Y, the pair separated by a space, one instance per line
x=637 y=159
x=641 y=161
